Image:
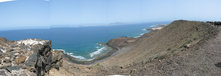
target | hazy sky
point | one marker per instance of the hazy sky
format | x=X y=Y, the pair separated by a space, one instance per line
x=45 y=13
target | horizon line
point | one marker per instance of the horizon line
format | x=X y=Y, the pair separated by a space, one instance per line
x=73 y=26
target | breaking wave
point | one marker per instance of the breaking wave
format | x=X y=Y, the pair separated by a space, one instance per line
x=139 y=35
x=92 y=55
x=71 y=54
x=99 y=51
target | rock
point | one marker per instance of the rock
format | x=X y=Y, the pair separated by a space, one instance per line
x=2 y=73
x=5 y=65
x=32 y=42
x=19 y=72
x=30 y=56
x=57 y=57
x=7 y=60
x=218 y=64
x=10 y=69
x=40 y=62
x=32 y=60
x=20 y=59
x=120 y=42
x=187 y=46
x=215 y=23
x=16 y=54
x=3 y=40
x=32 y=69
x=3 y=51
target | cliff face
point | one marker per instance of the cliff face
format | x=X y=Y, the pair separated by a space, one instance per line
x=31 y=57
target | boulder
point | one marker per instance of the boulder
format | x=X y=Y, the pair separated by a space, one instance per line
x=20 y=59
x=3 y=73
x=32 y=60
x=7 y=60
x=10 y=69
x=57 y=57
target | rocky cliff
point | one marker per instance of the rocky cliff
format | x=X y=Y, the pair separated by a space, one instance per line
x=30 y=57
x=120 y=42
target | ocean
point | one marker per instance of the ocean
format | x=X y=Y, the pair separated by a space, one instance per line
x=80 y=42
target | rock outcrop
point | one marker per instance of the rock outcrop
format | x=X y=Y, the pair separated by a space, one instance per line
x=120 y=42
x=216 y=23
x=30 y=57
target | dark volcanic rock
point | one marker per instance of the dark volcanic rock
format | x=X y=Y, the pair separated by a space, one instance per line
x=216 y=23
x=120 y=42
x=57 y=57
x=2 y=73
x=10 y=69
x=32 y=60
x=32 y=55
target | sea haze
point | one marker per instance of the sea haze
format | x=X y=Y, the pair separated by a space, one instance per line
x=80 y=42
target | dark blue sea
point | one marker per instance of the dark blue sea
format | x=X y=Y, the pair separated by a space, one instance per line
x=80 y=42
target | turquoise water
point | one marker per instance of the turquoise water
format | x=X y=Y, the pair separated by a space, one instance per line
x=80 y=42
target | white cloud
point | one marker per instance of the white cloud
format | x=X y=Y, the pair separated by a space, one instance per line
x=47 y=0
x=6 y=0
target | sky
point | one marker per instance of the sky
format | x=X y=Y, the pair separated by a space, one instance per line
x=21 y=14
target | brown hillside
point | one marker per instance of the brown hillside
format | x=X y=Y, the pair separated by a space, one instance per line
x=176 y=35
x=179 y=49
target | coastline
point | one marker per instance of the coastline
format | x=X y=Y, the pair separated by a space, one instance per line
x=111 y=49
x=176 y=45
x=91 y=61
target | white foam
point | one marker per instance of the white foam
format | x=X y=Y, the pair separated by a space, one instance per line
x=144 y=29
x=139 y=35
x=92 y=55
x=71 y=54
x=58 y=50
x=78 y=57
x=31 y=42
x=153 y=27
x=97 y=47
x=100 y=50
